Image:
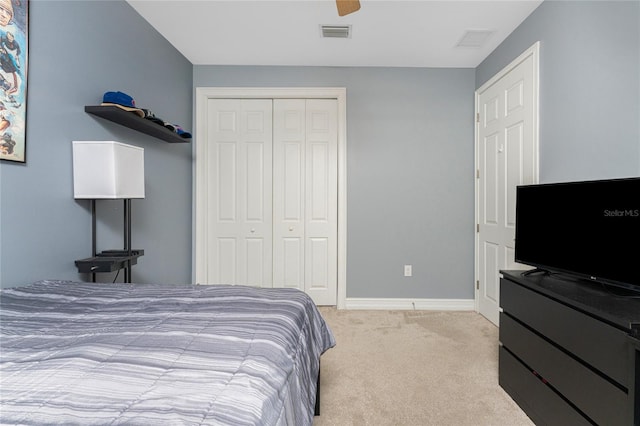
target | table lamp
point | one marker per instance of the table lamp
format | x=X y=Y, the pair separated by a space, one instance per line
x=109 y=170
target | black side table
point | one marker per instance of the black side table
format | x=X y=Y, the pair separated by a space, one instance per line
x=111 y=260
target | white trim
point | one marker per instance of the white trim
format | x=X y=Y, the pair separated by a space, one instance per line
x=534 y=53
x=203 y=94
x=411 y=304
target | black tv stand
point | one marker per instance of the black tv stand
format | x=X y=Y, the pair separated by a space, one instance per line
x=613 y=288
x=569 y=352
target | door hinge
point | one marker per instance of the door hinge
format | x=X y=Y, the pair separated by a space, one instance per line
x=478 y=285
x=477 y=117
x=477 y=227
x=478 y=174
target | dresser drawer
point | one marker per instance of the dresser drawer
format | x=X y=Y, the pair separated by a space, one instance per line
x=598 y=398
x=595 y=342
x=634 y=392
x=538 y=400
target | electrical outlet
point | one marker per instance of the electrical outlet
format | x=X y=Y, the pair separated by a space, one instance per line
x=407 y=270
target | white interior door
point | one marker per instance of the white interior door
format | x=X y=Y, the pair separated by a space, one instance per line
x=271 y=215
x=239 y=203
x=305 y=197
x=506 y=156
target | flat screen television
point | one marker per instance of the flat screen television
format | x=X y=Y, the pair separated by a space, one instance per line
x=588 y=229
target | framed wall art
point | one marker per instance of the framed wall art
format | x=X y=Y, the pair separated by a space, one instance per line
x=14 y=37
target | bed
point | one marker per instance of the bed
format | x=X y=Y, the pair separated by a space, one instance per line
x=87 y=353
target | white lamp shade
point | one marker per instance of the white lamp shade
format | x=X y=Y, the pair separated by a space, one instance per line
x=107 y=169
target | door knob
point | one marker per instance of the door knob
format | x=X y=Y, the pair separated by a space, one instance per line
x=253 y=230
x=291 y=228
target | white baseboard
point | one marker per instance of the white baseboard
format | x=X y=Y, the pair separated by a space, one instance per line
x=411 y=304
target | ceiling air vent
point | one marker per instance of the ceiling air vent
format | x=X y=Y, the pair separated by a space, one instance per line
x=335 y=31
x=475 y=38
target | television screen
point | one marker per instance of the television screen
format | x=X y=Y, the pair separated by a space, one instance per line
x=590 y=229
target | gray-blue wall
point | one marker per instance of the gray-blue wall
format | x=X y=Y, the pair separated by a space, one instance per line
x=77 y=51
x=410 y=142
x=410 y=172
x=589 y=86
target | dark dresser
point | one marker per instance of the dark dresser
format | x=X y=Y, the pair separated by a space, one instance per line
x=570 y=349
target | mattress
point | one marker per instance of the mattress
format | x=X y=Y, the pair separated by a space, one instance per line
x=87 y=353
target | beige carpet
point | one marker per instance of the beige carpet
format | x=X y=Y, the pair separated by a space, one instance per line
x=413 y=368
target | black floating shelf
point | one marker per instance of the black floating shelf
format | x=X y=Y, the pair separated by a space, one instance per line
x=135 y=122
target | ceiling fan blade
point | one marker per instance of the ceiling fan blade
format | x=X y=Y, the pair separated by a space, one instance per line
x=346 y=7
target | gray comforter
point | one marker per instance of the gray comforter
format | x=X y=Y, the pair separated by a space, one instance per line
x=83 y=353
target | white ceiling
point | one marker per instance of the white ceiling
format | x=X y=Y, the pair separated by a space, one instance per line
x=388 y=33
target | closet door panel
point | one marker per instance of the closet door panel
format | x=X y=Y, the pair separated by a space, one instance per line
x=289 y=152
x=321 y=201
x=293 y=263
x=239 y=222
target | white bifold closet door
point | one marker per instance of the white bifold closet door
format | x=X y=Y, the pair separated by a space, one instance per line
x=305 y=197
x=239 y=200
x=272 y=204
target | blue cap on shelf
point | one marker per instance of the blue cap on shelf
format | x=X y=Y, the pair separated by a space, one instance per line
x=122 y=101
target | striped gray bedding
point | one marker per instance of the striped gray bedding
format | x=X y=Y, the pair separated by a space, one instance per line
x=87 y=353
